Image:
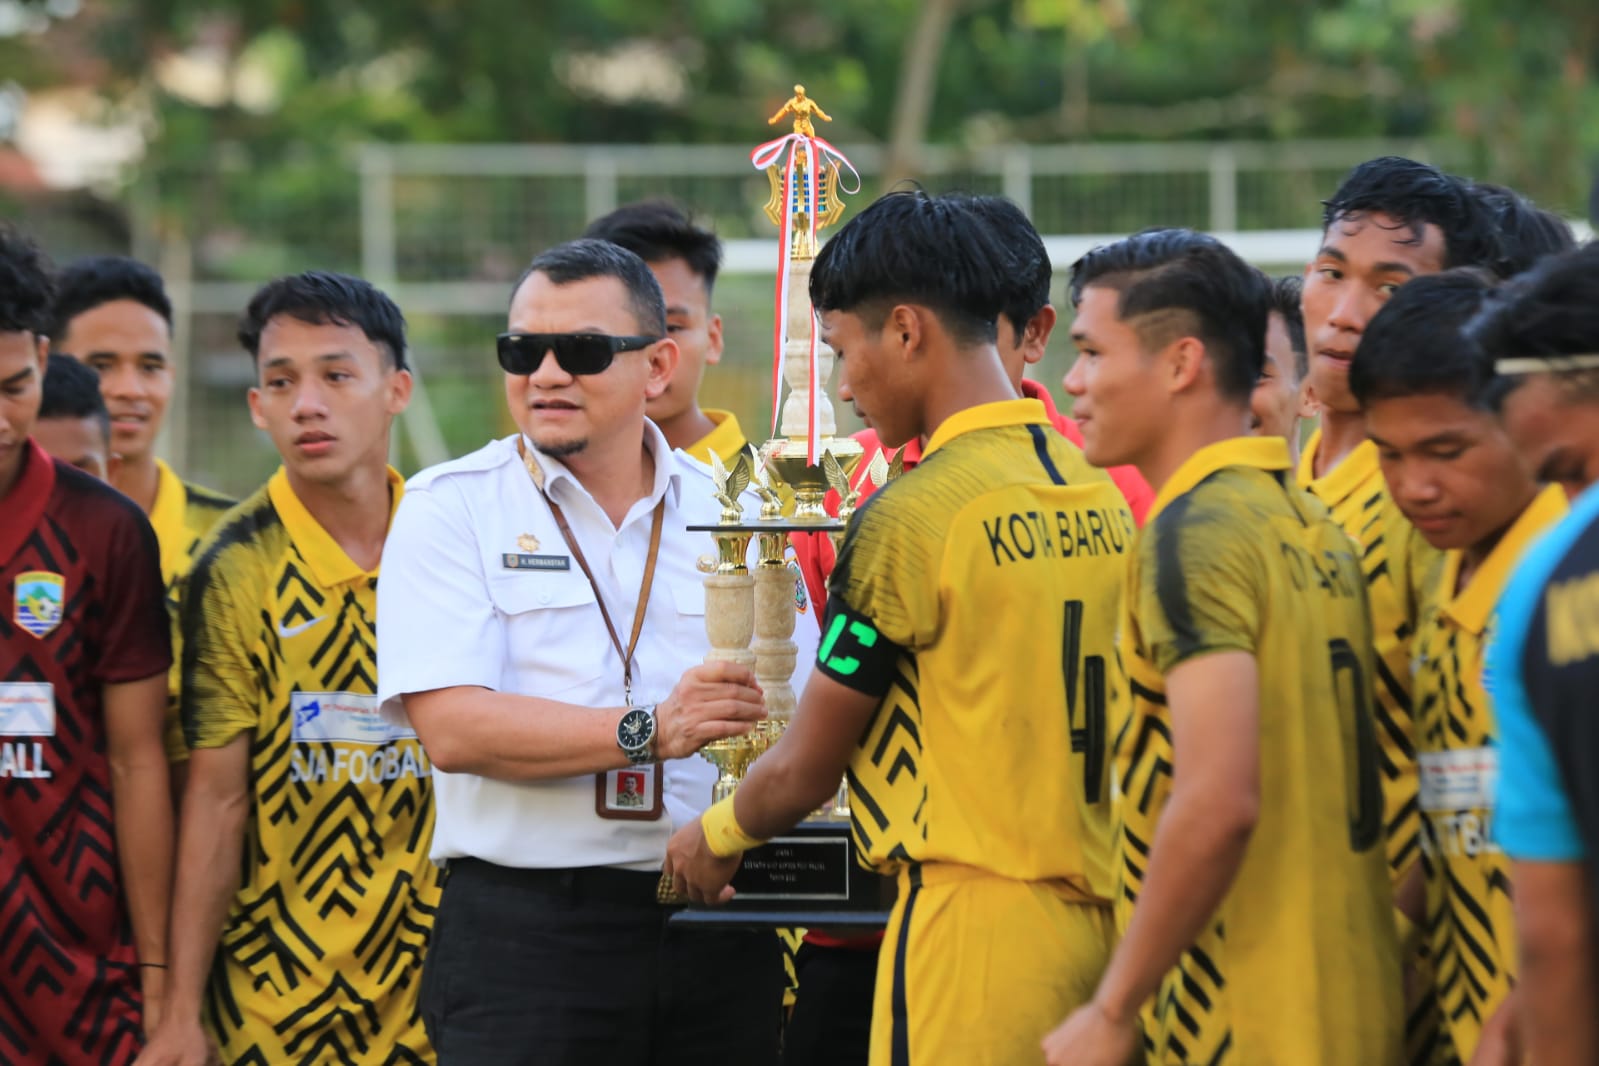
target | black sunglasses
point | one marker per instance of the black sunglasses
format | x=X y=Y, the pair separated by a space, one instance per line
x=577 y=353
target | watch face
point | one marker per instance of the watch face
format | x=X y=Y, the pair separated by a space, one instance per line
x=635 y=728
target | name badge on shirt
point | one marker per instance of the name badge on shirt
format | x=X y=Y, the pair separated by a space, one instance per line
x=529 y=561
x=1459 y=780
x=633 y=794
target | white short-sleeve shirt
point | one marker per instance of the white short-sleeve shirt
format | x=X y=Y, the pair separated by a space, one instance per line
x=458 y=604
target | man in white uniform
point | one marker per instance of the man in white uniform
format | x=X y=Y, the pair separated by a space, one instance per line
x=542 y=627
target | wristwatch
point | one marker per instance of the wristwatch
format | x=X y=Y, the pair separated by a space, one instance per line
x=635 y=734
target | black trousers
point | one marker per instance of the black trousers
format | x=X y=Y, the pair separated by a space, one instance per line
x=832 y=1020
x=557 y=967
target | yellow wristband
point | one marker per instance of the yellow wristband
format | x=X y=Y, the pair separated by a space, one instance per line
x=722 y=831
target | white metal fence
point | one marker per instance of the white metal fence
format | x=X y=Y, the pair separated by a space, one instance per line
x=445 y=228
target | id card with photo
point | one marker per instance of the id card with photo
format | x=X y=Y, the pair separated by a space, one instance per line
x=631 y=794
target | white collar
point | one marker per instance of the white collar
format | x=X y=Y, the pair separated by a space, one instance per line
x=559 y=479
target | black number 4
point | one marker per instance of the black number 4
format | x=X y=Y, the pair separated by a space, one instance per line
x=1088 y=739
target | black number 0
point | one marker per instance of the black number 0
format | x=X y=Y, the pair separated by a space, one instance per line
x=1365 y=786
x=1088 y=739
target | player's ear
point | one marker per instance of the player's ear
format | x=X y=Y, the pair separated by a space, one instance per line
x=713 y=333
x=399 y=387
x=1185 y=359
x=1308 y=408
x=905 y=330
x=254 y=397
x=1036 y=337
x=663 y=358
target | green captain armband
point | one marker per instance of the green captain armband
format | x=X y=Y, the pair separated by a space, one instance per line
x=854 y=653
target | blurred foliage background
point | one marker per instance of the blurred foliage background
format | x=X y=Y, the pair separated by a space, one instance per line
x=247 y=119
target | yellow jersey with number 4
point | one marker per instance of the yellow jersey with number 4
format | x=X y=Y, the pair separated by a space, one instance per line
x=1300 y=963
x=978 y=595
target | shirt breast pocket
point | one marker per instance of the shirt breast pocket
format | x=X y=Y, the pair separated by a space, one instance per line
x=555 y=639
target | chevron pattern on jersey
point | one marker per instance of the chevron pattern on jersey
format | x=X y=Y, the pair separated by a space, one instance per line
x=887 y=800
x=67 y=982
x=1468 y=880
x=322 y=955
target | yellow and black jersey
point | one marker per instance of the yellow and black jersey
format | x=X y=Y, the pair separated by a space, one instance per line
x=1301 y=962
x=1394 y=560
x=727 y=441
x=978 y=596
x=182 y=515
x=1470 y=923
x=322 y=952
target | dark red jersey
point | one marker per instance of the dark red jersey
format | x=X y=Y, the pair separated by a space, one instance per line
x=84 y=608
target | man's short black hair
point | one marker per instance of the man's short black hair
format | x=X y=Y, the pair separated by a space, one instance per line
x=588 y=257
x=322 y=298
x=1417 y=195
x=911 y=248
x=1551 y=310
x=1527 y=233
x=1030 y=273
x=72 y=390
x=1175 y=282
x=658 y=230
x=26 y=287
x=1416 y=346
x=88 y=283
x=1287 y=294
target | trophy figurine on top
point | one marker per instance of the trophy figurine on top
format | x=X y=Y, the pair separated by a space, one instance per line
x=811 y=871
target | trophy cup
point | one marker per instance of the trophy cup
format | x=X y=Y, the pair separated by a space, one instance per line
x=810 y=874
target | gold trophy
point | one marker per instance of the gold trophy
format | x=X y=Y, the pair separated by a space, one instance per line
x=792 y=472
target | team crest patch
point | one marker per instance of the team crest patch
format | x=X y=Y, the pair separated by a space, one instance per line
x=39 y=599
x=802 y=600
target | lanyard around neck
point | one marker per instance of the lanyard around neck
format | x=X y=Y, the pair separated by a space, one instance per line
x=577 y=553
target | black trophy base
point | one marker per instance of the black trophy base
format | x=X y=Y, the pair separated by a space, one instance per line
x=808 y=877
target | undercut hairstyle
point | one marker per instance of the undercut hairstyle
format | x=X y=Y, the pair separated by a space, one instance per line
x=658 y=230
x=26 y=287
x=102 y=279
x=1527 y=233
x=587 y=258
x=1174 y=283
x=1552 y=310
x=1286 y=296
x=1416 y=195
x=72 y=390
x=321 y=298
x=1030 y=273
x=1416 y=345
x=911 y=248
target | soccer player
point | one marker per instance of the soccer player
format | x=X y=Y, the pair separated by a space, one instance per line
x=1391 y=220
x=1543 y=667
x=1527 y=233
x=73 y=425
x=85 y=813
x=314 y=954
x=113 y=314
x=1024 y=327
x=1280 y=398
x=977 y=766
x=1256 y=912
x=1459 y=479
x=685 y=259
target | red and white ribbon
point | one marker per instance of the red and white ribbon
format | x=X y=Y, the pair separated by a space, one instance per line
x=767 y=155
